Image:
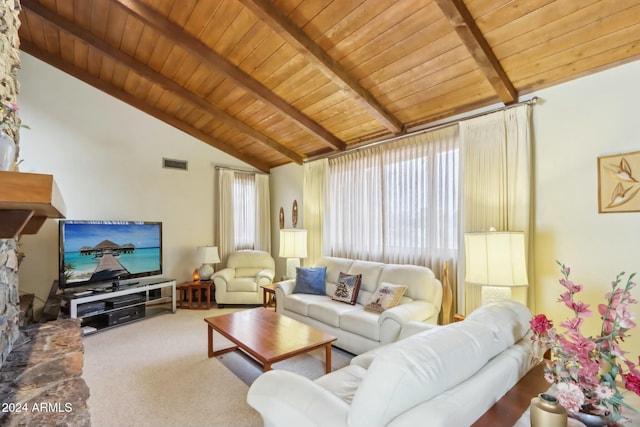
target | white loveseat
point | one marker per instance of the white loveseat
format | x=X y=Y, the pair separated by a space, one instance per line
x=357 y=329
x=446 y=376
x=239 y=282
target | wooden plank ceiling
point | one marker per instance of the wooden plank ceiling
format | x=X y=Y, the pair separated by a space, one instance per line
x=278 y=81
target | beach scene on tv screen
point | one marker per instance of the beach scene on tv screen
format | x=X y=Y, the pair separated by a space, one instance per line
x=94 y=252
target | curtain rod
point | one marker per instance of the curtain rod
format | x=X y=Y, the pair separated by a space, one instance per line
x=419 y=131
x=242 y=170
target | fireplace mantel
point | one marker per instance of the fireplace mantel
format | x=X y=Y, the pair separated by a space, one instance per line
x=26 y=201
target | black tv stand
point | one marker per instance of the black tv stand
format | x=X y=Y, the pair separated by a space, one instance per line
x=116 y=285
x=113 y=306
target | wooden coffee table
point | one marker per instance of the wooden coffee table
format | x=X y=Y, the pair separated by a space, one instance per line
x=268 y=337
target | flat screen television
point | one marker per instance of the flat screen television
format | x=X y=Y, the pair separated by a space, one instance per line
x=108 y=251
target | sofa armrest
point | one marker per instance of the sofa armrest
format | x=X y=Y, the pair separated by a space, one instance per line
x=222 y=277
x=266 y=273
x=403 y=313
x=392 y=320
x=413 y=327
x=286 y=399
x=285 y=287
x=265 y=276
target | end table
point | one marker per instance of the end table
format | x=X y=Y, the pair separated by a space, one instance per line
x=202 y=291
x=269 y=295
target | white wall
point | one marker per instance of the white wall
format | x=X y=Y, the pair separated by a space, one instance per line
x=286 y=186
x=577 y=122
x=106 y=158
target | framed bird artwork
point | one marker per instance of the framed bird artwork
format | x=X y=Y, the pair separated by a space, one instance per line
x=619 y=183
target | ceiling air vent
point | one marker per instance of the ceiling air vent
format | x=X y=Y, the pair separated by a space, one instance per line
x=174 y=164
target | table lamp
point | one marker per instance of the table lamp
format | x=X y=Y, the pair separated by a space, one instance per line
x=206 y=255
x=496 y=261
x=293 y=246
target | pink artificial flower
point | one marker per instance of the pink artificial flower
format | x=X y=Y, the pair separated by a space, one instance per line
x=632 y=383
x=603 y=392
x=581 y=309
x=540 y=324
x=572 y=324
x=566 y=297
x=572 y=287
x=548 y=377
x=625 y=317
x=570 y=396
x=11 y=106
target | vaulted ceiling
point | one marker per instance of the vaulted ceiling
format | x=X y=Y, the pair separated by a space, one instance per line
x=277 y=81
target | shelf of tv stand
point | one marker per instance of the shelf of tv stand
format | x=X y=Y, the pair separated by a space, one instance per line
x=139 y=286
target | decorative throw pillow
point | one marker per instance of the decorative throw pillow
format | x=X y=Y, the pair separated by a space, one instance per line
x=310 y=280
x=348 y=287
x=386 y=296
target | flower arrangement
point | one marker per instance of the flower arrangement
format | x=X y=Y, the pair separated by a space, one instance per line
x=585 y=369
x=8 y=116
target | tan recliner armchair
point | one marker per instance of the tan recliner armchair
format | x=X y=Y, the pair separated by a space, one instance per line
x=239 y=282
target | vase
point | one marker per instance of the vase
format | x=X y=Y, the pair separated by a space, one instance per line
x=545 y=411
x=7 y=151
x=592 y=420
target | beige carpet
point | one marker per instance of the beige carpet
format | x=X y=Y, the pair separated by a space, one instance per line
x=156 y=373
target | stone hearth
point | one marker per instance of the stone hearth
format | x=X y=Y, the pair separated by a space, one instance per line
x=40 y=381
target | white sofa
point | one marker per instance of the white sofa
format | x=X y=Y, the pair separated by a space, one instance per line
x=446 y=376
x=239 y=282
x=359 y=330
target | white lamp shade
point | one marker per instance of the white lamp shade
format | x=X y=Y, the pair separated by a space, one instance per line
x=293 y=243
x=495 y=258
x=207 y=255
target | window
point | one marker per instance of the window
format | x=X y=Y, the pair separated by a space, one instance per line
x=396 y=203
x=244 y=208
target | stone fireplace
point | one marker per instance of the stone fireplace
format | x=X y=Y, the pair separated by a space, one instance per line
x=9 y=298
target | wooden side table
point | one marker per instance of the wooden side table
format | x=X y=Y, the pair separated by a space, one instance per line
x=458 y=317
x=269 y=295
x=202 y=292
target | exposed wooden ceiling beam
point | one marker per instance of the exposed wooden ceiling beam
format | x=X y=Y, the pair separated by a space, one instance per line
x=230 y=71
x=127 y=98
x=154 y=76
x=466 y=27
x=308 y=48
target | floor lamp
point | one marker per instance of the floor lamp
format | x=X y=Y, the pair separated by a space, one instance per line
x=293 y=246
x=496 y=261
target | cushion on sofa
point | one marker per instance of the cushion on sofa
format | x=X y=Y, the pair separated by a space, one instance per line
x=361 y=322
x=242 y=284
x=348 y=287
x=248 y=271
x=343 y=382
x=334 y=267
x=418 y=368
x=300 y=303
x=370 y=273
x=421 y=280
x=328 y=311
x=508 y=321
x=386 y=296
x=310 y=280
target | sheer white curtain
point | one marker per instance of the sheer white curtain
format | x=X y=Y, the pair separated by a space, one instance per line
x=226 y=242
x=396 y=203
x=313 y=193
x=263 y=214
x=244 y=212
x=496 y=183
